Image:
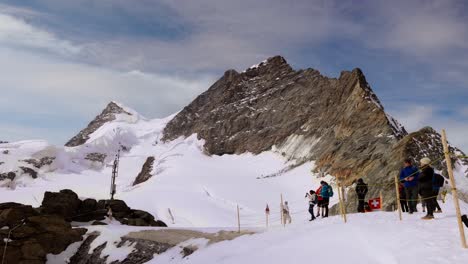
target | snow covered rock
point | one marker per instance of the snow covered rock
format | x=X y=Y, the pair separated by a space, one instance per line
x=112 y=112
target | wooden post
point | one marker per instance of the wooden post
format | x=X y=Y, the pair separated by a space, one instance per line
x=267 y=214
x=381 y=201
x=281 y=211
x=340 y=200
x=397 y=189
x=344 y=205
x=454 y=189
x=238 y=219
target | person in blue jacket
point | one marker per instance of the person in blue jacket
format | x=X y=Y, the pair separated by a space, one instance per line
x=326 y=193
x=409 y=176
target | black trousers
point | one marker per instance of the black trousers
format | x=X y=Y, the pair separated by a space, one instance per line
x=412 y=197
x=404 y=205
x=427 y=196
x=361 y=201
x=326 y=201
x=311 y=211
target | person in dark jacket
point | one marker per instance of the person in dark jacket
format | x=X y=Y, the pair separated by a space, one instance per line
x=326 y=194
x=361 y=191
x=426 y=187
x=409 y=177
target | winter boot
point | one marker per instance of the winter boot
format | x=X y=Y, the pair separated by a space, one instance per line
x=427 y=217
x=465 y=220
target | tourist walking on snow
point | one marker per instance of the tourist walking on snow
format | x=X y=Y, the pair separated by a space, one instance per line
x=312 y=202
x=361 y=191
x=319 y=201
x=326 y=193
x=286 y=213
x=409 y=177
x=426 y=187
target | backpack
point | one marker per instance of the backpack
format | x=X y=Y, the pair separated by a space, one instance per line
x=330 y=191
x=438 y=180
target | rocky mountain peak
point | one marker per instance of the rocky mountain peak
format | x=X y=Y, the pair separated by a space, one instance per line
x=301 y=113
x=108 y=114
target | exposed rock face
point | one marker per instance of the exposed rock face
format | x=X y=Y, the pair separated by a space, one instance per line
x=145 y=173
x=39 y=163
x=340 y=123
x=108 y=114
x=98 y=157
x=307 y=116
x=31 y=236
x=7 y=175
x=29 y=171
x=67 y=205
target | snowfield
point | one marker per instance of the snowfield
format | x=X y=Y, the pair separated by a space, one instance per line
x=202 y=192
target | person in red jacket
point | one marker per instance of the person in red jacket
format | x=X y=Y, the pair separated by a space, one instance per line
x=319 y=201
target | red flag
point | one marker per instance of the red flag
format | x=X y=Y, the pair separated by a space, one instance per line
x=375 y=203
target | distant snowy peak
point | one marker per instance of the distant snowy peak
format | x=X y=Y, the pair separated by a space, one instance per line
x=113 y=112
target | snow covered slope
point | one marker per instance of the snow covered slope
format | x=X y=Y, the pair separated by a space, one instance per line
x=200 y=190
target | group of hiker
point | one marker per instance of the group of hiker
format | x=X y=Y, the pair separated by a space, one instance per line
x=321 y=198
x=414 y=181
x=421 y=181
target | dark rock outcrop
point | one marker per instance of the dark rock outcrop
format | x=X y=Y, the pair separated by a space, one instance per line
x=145 y=173
x=39 y=163
x=29 y=236
x=7 y=175
x=29 y=171
x=64 y=203
x=98 y=157
x=67 y=205
x=107 y=115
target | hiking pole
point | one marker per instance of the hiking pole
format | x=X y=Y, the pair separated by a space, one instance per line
x=454 y=189
x=238 y=219
x=397 y=190
x=281 y=211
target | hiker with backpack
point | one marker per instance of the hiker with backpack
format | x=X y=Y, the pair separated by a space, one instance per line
x=426 y=187
x=319 y=201
x=361 y=191
x=312 y=202
x=326 y=193
x=409 y=177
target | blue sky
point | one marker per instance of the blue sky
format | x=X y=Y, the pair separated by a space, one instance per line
x=61 y=62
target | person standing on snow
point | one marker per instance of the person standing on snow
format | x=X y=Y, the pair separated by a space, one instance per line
x=361 y=191
x=286 y=214
x=426 y=187
x=312 y=202
x=319 y=200
x=326 y=193
x=409 y=177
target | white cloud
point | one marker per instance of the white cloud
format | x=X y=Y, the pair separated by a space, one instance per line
x=17 y=33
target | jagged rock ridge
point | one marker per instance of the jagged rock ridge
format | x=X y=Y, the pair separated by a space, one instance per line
x=107 y=115
x=338 y=122
x=301 y=113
